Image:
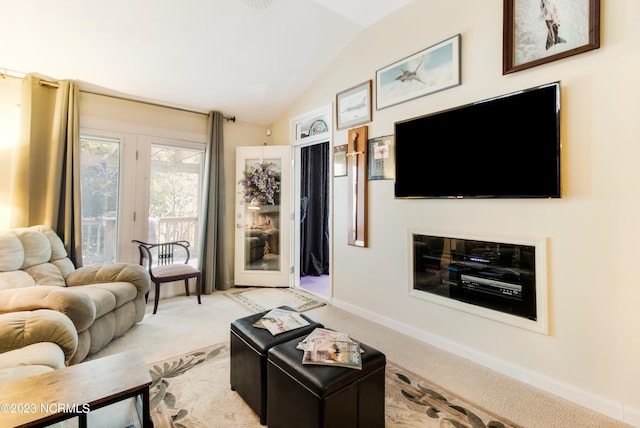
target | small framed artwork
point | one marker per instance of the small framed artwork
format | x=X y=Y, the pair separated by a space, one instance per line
x=312 y=128
x=433 y=69
x=353 y=106
x=539 y=31
x=382 y=158
x=340 y=161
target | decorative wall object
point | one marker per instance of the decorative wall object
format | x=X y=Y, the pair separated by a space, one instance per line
x=382 y=159
x=357 y=194
x=353 y=106
x=261 y=183
x=433 y=69
x=316 y=127
x=340 y=161
x=541 y=31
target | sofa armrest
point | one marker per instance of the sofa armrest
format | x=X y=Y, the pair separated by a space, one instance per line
x=24 y=328
x=118 y=272
x=77 y=306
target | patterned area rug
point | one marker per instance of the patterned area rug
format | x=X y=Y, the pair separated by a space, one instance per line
x=260 y=299
x=193 y=391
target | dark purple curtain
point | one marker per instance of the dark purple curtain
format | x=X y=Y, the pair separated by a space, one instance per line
x=314 y=205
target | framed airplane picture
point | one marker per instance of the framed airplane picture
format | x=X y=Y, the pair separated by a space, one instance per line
x=433 y=69
x=353 y=106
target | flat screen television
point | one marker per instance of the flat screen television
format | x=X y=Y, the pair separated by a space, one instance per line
x=503 y=147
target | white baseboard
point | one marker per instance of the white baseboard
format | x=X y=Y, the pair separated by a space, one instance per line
x=569 y=392
x=632 y=416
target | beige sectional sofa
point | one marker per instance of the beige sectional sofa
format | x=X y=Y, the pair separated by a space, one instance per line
x=101 y=301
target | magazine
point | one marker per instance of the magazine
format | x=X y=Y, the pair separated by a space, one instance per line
x=320 y=332
x=333 y=351
x=280 y=320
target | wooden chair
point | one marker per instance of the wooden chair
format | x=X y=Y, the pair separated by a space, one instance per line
x=164 y=268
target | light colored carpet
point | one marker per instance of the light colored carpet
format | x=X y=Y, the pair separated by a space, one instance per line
x=192 y=390
x=181 y=325
x=260 y=299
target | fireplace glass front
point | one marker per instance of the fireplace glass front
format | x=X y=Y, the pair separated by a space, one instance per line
x=493 y=275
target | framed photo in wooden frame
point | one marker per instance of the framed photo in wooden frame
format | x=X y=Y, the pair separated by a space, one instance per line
x=353 y=106
x=430 y=70
x=539 y=31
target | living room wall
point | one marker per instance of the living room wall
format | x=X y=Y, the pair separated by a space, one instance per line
x=10 y=89
x=591 y=353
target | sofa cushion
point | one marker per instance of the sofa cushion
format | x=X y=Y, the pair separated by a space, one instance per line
x=104 y=300
x=117 y=272
x=36 y=246
x=125 y=316
x=84 y=344
x=38 y=354
x=24 y=328
x=46 y=274
x=78 y=307
x=11 y=252
x=122 y=291
x=16 y=279
x=65 y=266
x=57 y=246
x=14 y=373
x=102 y=331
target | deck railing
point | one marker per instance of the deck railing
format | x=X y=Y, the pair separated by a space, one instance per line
x=99 y=236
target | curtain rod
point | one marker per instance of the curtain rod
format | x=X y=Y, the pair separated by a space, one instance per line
x=227 y=118
x=12 y=73
x=42 y=82
x=4 y=72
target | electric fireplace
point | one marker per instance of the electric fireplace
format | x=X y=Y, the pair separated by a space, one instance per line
x=501 y=280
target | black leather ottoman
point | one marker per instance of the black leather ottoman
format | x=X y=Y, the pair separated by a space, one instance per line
x=318 y=396
x=249 y=347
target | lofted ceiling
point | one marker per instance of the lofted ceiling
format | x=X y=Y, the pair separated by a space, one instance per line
x=248 y=58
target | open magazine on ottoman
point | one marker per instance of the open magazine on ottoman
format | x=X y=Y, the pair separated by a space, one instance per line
x=280 y=320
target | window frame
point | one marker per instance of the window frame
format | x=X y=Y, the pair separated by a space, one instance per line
x=135 y=163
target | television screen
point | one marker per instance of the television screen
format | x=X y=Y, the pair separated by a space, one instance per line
x=503 y=147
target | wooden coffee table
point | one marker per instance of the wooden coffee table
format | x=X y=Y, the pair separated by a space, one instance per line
x=74 y=391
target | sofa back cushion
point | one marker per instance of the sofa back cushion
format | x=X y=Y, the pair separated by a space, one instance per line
x=36 y=247
x=46 y=274
x=16 y=279
x=58 y=252
x=38 y=252
x=11 y=252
